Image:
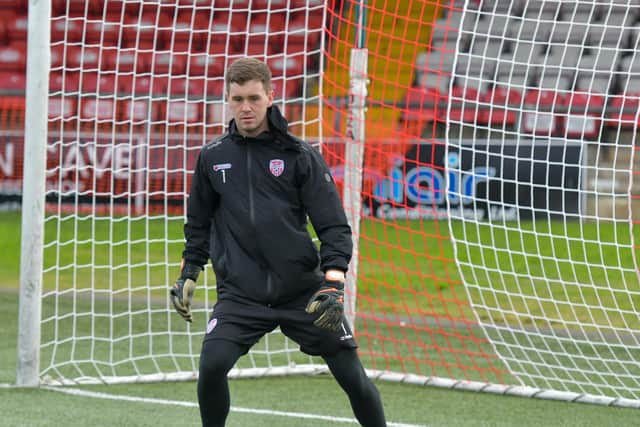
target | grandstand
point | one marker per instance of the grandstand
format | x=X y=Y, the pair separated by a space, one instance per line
x=127 y=62
x=512 y=54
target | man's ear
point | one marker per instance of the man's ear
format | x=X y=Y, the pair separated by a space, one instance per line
x=270 y=97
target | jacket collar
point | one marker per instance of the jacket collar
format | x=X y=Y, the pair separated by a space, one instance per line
x=278 y=130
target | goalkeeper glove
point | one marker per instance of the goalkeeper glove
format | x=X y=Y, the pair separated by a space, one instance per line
x=329 y=302
x=182 y=292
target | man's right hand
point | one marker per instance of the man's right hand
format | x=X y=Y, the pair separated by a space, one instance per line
x=181 y=293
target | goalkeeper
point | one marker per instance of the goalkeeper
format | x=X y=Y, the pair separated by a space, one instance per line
x=252 y=191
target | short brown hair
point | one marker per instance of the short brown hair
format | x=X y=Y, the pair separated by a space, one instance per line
x=246 y=69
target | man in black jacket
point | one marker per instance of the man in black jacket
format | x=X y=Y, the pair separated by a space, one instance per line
x=252 y=191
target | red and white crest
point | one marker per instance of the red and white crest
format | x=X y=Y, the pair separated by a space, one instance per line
x=276 y=166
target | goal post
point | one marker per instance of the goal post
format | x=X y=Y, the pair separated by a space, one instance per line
x=33 y=195
x=490 y=185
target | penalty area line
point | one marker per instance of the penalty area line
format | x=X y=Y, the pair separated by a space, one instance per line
x=301 y=415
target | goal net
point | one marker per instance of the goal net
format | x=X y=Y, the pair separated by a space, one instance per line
x=494 y=194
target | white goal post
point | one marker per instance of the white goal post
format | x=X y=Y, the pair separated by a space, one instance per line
x=498 y=255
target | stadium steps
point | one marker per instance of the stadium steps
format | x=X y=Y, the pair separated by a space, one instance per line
x=396 y=34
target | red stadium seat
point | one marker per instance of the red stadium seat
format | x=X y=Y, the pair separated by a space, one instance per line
x=67 y=29
x=583 y=118
x=422 y=105
x=19 y=6
x=538 y=117
x=215 y=88
x=191 y=30
x=12 y=81
x=287 y=88
x=502 y=105
x=169 y=63
x=624 y=111
x=142 y=85
x=68 y=82
x=149 y=27
x=16 y=27
x=229 y=25
x=204 y=64
x=61 y=107
x=103 y=32
x=103 y=109
x=126 y=60
x=215 y=112
x=287 y=65
x=85 y=58
x=98 y=83
x=179 y=111
x=466 y=105
x=13 y=58
x=186 y=86
x=138 y=111
x=298 y=32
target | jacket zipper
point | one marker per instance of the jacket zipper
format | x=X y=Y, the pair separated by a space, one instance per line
x=252 y=218
x=252 y=215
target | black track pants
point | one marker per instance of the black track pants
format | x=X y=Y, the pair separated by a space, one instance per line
x=219 y=356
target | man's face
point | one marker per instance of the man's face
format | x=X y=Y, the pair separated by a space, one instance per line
x=248 y=103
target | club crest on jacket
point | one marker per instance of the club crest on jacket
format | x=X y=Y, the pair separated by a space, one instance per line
x=276 y=166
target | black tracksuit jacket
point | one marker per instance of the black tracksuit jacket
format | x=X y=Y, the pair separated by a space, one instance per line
x=247 y=211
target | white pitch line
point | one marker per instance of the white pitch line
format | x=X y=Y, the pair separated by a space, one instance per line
x=99 y=395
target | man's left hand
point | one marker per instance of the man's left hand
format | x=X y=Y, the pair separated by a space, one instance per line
x=329 y=301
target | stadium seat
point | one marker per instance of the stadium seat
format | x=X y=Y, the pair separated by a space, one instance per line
x=12 y=82
x=546 y=10
x=137 y=111
x=584 y=112
x=67 y=83
x=186 y=87
x=465 y=101
x=67 y=29
x=61 y=107
x=528 y=29
x=264 y=30
x=569 y=33
x=86 y=58
x=16 y=27
x=424 y=105
x=13 y=58
x=150 y=27
x=230 y=25
x=297 y=32
x=143 y=85
x=215 y=88
x=206 y=64
x=104 y=32
x=179 y=111
x=538 y=116
x=501 y=104
x=623 y=111
x=127 y=60
x=285 y=88
x=97 y=83
x=169 y=63
x=191 y=30
x=9 y=6
x=97 y=109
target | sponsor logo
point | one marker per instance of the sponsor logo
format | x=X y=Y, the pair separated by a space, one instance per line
x=276 y=166
x=212 y=324
x=222 y=167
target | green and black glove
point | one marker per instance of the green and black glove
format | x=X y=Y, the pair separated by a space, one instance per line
x=329 y=301
x=181 y=293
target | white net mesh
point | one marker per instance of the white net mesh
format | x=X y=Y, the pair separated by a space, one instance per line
x=136 y=89
x=543 y=96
